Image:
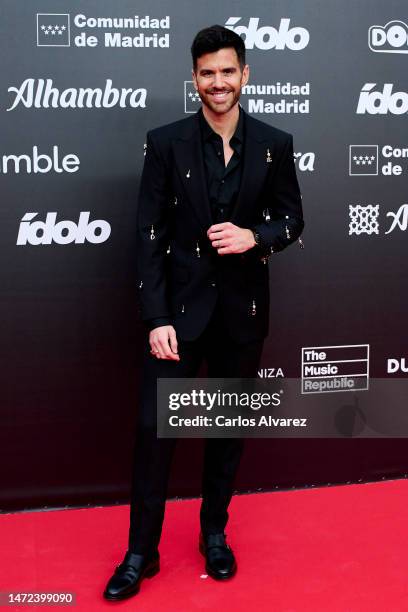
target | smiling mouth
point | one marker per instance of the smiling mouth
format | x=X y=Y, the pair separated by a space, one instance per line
x=219 y=96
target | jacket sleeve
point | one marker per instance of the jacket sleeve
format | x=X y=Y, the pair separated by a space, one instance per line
x=152 y=228
x=286 y=223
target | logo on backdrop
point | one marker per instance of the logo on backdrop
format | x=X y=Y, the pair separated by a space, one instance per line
x=278 y=98
x=41 y=93
x=192 y=100
x=364 y=160
x=270 y=373
x=391 y=38
x=305 y=161
x=365 y=219
x=269 y=37
x=377 y=102
x=394 y=366
x=37 y=163
x=334 y=368
x=64 y=232
x=54 y=30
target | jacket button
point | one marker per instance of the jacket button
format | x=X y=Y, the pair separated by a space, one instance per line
x=213 y=284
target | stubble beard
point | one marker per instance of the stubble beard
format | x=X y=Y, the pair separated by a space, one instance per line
x=220 y=109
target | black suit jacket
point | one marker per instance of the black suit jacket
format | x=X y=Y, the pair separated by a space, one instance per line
x=180 y=275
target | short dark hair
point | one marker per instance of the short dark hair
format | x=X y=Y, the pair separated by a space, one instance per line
x=214 y=38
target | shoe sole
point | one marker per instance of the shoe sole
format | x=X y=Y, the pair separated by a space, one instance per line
x=211 y=573
x=148 y=573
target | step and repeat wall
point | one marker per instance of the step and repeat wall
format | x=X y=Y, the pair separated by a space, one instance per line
x=81 y=83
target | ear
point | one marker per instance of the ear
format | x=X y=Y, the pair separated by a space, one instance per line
x=245 y=75
x=194 y=78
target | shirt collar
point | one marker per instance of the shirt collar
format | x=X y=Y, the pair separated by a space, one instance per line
x=209 y=133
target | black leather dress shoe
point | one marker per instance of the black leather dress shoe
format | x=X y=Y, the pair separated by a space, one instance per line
x=126 y=580
x=220 y=561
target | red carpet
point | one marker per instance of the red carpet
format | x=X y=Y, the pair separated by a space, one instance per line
x=332 y=549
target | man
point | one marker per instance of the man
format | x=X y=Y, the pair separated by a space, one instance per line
x=218 y=195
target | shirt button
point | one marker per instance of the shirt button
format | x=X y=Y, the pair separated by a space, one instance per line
x=222 y=181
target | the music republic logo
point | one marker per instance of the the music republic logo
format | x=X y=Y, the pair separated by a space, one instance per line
x=328 y=369
x=63 y=232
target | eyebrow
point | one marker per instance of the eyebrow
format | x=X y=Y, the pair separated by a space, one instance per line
x=222 y=69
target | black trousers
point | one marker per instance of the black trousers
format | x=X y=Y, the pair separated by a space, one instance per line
x=153 y=456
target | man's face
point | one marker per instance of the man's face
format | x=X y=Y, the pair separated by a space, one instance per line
x=218 y=79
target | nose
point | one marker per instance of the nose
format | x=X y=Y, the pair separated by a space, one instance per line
x=218 y=82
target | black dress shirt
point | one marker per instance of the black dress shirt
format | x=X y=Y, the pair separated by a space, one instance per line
x=223 y=182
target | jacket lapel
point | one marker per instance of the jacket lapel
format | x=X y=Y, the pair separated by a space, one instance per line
x=254 y=171
x=190 y=166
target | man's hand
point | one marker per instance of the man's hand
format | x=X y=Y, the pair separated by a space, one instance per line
x=228 y=238
x=163 y=342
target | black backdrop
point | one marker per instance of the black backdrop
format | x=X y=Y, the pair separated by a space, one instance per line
x=71 y=349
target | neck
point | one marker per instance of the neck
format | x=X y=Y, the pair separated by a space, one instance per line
x=223 y=124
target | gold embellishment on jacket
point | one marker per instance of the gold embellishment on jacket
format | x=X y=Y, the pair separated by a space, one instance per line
x=271 y=249
x=253 y=309
x=268 y=156
x=302 y=246
x=264 y=259
x=168 y=250
x=182 y=308
x=152 y=236
x=144 y=148
x=197 y=249
x=266 y=215
x=188 y=173
x=175 y=200
x=140 y=284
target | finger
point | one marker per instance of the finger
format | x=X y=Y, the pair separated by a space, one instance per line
x=173 y=341
x=220 y=243
x=156 y=353
x=219 y=236
x=215 y=235
x=217 y=227
x=225 y=251
x=165 y=349
x=153 y=347
x=156 y=346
